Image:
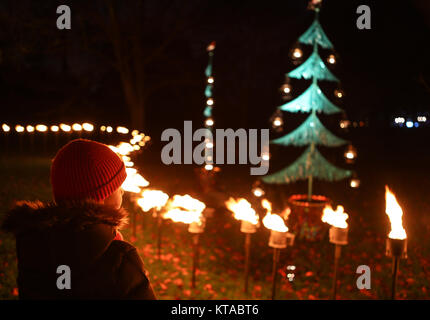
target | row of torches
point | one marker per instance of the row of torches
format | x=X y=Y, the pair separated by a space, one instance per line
x=77 y=127
x=188 y=210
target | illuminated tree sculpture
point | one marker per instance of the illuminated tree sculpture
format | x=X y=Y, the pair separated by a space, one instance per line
x=311 y=133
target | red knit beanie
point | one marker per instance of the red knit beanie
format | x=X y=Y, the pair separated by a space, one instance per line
x=85 y=169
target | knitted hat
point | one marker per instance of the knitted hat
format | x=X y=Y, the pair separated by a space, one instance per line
x=85 y=169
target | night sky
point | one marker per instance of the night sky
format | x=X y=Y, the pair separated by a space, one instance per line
x=70 y=75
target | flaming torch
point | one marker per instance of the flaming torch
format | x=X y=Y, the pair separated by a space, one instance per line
x=188 y=210
x=249 y=222
x=338 y=235
x=279 y=238
x=133 y=184
x=155 y=200
x=396 y=245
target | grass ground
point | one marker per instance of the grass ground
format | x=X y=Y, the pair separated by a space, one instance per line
x=220 y=275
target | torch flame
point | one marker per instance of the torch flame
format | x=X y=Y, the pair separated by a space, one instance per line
x=122 y=149
x=185 y=209
x=134 y=181
x=242 y=210
x=152 y=199
x=273 y=221
x=395 y=213
x=335 y=218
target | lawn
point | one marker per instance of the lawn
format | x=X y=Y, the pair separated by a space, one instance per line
x=220 y=275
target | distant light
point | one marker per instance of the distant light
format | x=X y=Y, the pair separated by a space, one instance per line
x=209 y=122
x=258 y=192
x=65 y=127
x=354 y=183
x=211 y=80
x=349 y=155
x=416 y=124
x=41 y=128
x=399 y=120
x=122 y=130
x=286 y=88
x=291 y=267
x=29 y=128
x=331 y=59
x=297 y=53
x=338 y=93
x=19 y=128
x=409 y=124
x=265 y=157
x=277 y=122
x=5 y=127
x=55 y=128
x=76 y=127
x=209 y=145
x=109 y=129
x=312 y=124
x=88 y=127
x=344 y=124
x=135 y=133
x=136 y=147
x=209 y=167
x=210 y=102
x=422 y=119
x=103 y=128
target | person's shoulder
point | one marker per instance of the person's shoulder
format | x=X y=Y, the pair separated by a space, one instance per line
x=123 y=248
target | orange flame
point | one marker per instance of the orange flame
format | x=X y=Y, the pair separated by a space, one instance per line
x=185 y=209
x=335 y=218
x=122 y=149
x=242 y=210
x=395 y=213
x=152 y=199
x=134 y=181
x=273 y=221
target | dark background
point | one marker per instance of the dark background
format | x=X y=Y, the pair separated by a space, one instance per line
x=46 y=73
x=49 y=75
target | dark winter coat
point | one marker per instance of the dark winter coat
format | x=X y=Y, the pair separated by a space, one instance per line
x=81 y=237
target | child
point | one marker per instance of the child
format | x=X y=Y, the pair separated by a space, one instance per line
x=78 y=230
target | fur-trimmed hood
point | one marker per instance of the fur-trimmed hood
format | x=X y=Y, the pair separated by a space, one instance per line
x=49 y=235
x=36 y=216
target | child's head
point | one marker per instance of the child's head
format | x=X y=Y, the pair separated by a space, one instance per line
x=87 y=170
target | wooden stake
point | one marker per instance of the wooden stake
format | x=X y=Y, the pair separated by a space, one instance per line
x=247 y=255
x=396 y=261
x=195 y=258
x=159 y=230
x=276 y=253
x=337 y=252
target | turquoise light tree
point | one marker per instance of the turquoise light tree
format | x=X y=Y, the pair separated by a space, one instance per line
x=311 y=133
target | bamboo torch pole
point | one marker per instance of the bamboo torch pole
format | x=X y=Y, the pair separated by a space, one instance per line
x=247 y=228
x=278 y=240
x=159 y=234
x=339 y=237
x=195 y=228
x=396 y=249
